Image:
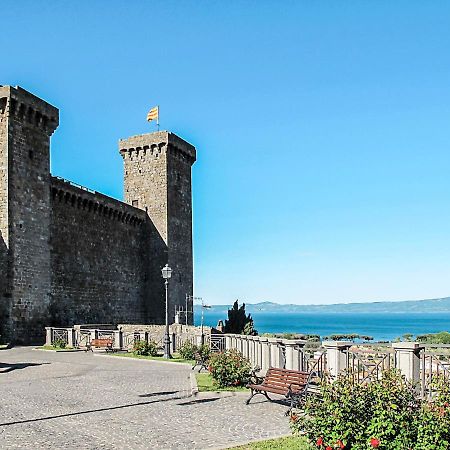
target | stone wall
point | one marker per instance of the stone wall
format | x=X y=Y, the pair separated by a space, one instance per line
x=71 y=255
x=99 y=259
x=157 y=179
x=5 y=291
x=29 y=124
x=176 y=328
x=181 y=158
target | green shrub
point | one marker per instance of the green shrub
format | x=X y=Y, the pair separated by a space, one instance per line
x=188 y=350
x=435 y=338
x=349 y=415
x=144 y=348
x=433 y=423
x=204 y=351
x=59 y=343
x=229 y=368
x=384 y=414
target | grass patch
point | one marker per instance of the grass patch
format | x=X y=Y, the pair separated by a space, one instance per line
x=175 y=358
x=284 y=443
x=205 y=384
x=58 y=349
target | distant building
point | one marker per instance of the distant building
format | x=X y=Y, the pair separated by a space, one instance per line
x=71 y=255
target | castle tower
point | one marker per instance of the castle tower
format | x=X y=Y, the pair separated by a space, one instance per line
x=26 y=124
x=157 y=178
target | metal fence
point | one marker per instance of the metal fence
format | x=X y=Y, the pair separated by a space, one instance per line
x=368 y=362
x=421 y=364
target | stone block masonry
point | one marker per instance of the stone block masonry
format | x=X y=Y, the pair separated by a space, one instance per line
x=71 y=255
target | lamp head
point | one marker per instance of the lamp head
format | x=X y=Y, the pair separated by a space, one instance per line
x=166 y=272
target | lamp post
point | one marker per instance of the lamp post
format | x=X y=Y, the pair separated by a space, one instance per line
x=166 y=274
x=203 y=308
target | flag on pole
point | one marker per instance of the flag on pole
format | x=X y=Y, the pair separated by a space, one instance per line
x=153 y=114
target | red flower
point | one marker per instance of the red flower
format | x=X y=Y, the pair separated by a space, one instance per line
x=341 y=445
x=319 y=442
x=294 y=418
x=374 y=442
x=328 y=448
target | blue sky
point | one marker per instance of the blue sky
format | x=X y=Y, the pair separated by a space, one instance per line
x=322 y=131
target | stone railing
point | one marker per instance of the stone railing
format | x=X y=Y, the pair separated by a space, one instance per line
x=266 y=352
x=420 y=364
x=79 y=337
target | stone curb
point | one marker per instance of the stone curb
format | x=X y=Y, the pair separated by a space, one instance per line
x=207 y=394
x=194 y=385
x=104 y=355
x=76 y=350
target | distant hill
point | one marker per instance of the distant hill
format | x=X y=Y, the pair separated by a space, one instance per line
x=410 y=306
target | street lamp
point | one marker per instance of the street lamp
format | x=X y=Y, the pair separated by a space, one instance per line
x=166 y=274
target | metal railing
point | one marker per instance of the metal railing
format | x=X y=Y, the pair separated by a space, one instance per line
x=368 y=362
x=217 y=343
x=434 y=365
x=60 y=334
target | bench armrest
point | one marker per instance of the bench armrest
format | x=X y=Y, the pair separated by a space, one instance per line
x=254 y=378
x=291 y=393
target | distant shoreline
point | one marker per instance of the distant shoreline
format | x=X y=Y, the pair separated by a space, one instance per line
x=382 y=326
x=438 y=305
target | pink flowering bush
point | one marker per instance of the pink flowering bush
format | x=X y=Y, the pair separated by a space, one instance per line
x=229 y=368
x=385 y=414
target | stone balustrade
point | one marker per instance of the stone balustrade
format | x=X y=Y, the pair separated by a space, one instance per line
x=263 y=352
x=266 y=352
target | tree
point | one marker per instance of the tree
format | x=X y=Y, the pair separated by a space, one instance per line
x=238 y=322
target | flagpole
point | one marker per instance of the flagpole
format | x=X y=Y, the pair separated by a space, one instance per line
x=157 y=119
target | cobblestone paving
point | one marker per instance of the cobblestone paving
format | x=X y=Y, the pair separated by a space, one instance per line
x=83 y=401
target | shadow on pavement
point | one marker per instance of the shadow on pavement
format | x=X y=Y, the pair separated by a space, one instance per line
x=9 y=367
x=79 y=413
x=203 y=400
x=154 y=394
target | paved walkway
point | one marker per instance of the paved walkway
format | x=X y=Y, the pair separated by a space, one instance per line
x=82 y=401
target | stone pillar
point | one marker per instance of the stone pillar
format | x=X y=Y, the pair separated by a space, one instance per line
x=274 y=352
x=298 y=359
x=48 y=336
x=71 y=337
x=265 y=354
x=407 y=359
x=240 y=341
x=258 y=350
x=235 y=342
x=244 y=341
x=228 y=341
x=118 y=339
x=251 y=350
x=289 y=353
x=336 y=356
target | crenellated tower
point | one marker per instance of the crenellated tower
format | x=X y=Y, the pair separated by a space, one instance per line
x=26 y=124
x=157 y=179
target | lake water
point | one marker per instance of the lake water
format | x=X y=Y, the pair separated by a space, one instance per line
x=381 y=326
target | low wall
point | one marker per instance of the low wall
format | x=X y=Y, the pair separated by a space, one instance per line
x=176 y=328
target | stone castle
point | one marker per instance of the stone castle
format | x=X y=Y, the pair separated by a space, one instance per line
x=71 y=255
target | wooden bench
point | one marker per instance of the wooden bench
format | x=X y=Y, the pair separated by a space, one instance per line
x=107 y=344
x=292 y=384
